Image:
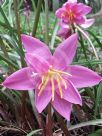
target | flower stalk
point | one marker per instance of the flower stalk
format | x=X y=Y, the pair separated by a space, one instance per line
x=37 y=15
x=62 y=125
x=18 y=30
x=46 y=23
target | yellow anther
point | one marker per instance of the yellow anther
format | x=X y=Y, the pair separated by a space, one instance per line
x=44 y=85
x=53 y=87
x=59 y=86
x=63 y=81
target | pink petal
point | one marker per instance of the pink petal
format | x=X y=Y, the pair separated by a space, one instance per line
x=64 y=33
x=65 y=52
x=20 y=80
x=79 y=20
x=37 y=62
x=42 y=101
x=83 y=9
x=64 y=25
x=71 y=94
x=33 y=45
x=59 y=12
x=88 y=23
x=83 y=77
x=62 y=106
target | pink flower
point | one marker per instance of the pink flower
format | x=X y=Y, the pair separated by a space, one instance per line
x=52 y=76
x=73 y=13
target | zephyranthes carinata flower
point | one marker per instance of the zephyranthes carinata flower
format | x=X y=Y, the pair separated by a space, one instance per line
x=51 y=76
x=71 y=14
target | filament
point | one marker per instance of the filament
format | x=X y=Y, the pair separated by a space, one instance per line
x=59 y=86
x=53 y=87
x=63 y=81
x=44 y=85
x=42 y=82
x=52 y=75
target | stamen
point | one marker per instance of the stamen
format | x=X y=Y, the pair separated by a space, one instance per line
x=63 y=81
x=42 y=82
x=53 y=88
x=49 y=76
x=59 y=86
x=44 y=85
x=61 y=72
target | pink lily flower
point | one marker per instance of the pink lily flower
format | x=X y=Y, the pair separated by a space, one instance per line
x=52 y=76
x=73 y=13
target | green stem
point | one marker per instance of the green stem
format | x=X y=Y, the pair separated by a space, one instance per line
x=17 y=19
x=37 y=15
x=83 y=46
x=46 y=22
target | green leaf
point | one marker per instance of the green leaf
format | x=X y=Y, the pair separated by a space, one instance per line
x=34 y=132
x=87 y=123
x=95 y=38
x=97 y=133
x=12 y=42
x=4 y=16
x=8 y=61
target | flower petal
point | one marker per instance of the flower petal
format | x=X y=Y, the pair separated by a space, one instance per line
x=82 y=9
x=88 y=23
x=71 y=94
x=33 y=45
x=62 y=106
x=20 y=80
x=86 y=9
x=42 y=101
x=64 y=33
x=65 y=52
x=83 y=77
x=60 y=12
x=37 y=62
x=79 y=20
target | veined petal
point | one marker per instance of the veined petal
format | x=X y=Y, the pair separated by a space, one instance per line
x=62 y=106
x=37 y=62
x=65 y=52
x=20 y=80
x=88 y=23
x=71 y=94
x=60 y=12
x=82 y=9
x=42 y=101
x=83 y=77
x=33 y=45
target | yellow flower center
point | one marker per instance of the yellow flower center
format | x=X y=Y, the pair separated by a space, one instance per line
x=51 y=76
x=69 y=14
